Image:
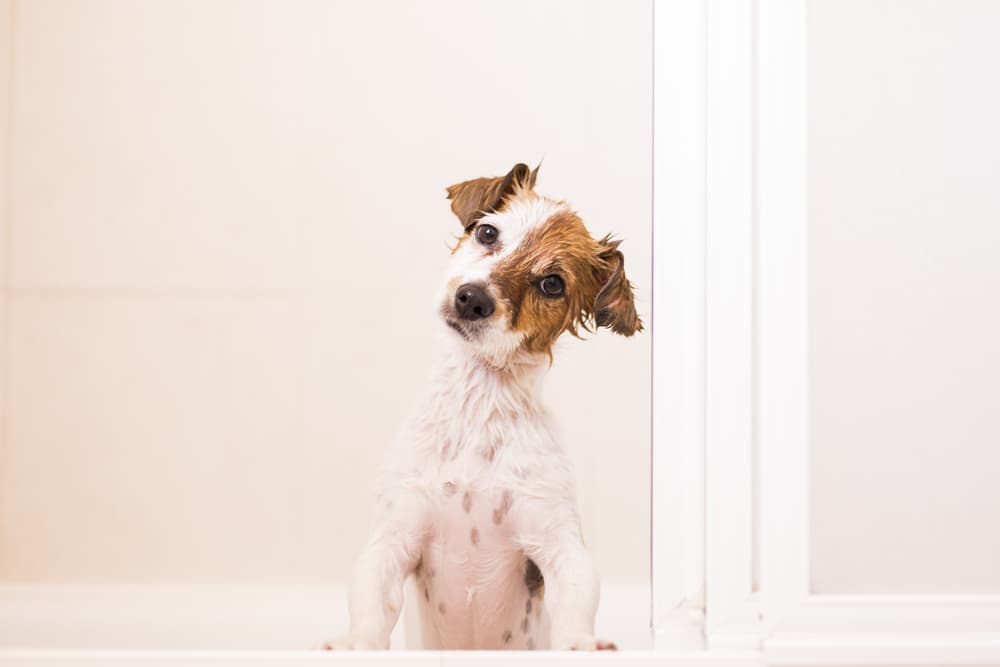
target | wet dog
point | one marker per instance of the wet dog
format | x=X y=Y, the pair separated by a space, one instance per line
x=476 y=499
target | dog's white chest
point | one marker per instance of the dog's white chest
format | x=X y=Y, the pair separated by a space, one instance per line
x=472 y=582
x=479 y=454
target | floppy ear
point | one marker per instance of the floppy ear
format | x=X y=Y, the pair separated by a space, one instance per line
x=471 y=199
x=614 y=306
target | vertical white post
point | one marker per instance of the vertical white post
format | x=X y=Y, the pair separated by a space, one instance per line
x=678 y=322
x=783 y=401
x=732 y=616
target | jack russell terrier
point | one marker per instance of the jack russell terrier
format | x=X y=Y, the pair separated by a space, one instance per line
x=476 y=498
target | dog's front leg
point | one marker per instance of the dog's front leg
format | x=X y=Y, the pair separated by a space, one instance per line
x=376 y=593
x=572 y=592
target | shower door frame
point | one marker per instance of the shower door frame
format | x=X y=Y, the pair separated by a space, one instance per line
x=730 y=396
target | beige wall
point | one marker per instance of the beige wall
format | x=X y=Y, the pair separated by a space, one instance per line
x=228 y=224
x=6 y=51
x=5 y=161
x=904 y=310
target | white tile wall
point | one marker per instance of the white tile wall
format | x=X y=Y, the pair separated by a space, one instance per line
x=229 y=224
x=156 y=145
x=153 y=434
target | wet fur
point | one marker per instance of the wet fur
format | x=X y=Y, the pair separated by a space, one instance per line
x=476 y=499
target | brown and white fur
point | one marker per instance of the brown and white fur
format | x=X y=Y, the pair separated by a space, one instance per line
x=476 y=498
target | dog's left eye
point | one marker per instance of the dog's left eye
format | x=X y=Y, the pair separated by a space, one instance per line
x=487 y=234
x=552 y=286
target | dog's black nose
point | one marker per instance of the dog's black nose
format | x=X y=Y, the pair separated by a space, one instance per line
x=472 y=302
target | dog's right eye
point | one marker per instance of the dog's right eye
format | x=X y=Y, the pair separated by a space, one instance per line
x=487 y=234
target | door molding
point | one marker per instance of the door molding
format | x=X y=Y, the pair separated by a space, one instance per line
x=730 y=234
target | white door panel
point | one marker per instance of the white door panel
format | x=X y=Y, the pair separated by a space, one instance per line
x=904 y=314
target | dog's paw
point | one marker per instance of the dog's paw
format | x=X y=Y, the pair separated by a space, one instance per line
x=352 y=643
x=592 y=644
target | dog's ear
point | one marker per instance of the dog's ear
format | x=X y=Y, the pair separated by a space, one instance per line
x=614 y=306
x=471 y=199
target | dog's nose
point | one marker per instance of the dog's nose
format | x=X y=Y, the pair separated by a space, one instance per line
x=473 y=303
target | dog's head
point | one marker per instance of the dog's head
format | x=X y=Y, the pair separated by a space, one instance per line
x=525 y=270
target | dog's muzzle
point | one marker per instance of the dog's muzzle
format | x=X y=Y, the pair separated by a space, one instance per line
x=473 y=303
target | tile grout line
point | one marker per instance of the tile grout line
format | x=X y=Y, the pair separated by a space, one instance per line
x=7 y=242
x=152 y=291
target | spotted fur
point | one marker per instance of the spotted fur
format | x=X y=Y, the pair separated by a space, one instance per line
x=482 y=513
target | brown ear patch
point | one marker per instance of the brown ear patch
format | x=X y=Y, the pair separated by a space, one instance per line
x=614 y=306
x=471 y=199
x=561 y=246
x=597 y=292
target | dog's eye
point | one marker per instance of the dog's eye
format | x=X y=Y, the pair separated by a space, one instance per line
x=487 y=234
x=551 y=286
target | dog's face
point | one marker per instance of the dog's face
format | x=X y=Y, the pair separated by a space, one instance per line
x=526 y=270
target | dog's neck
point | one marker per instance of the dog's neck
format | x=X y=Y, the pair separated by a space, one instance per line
x=476 y=408
x=477 y=385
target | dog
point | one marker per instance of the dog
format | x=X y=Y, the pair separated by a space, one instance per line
x=476 y=498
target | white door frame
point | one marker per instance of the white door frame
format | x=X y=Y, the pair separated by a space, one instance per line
x=678 y=323
x=703 y=445
x=730 y=399
x=797 y=622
